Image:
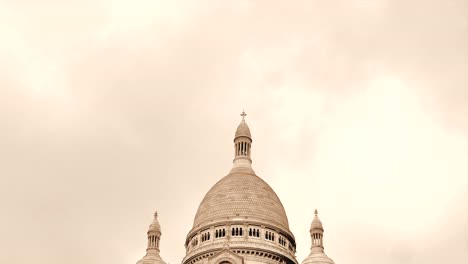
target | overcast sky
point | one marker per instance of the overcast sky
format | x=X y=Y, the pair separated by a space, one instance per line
x=112 y=109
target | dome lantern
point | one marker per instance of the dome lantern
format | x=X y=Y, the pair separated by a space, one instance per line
x=242 y=144
x=316 y=233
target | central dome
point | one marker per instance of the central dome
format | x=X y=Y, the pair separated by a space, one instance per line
x=240 y=220
x=241 y=195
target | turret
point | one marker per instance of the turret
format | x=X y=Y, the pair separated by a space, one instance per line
x=152 y=249
x=242 y=145
x=317 y=254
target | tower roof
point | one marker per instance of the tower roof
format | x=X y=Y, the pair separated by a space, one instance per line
x=316 y=223
x=243 y=129
x=155 y=226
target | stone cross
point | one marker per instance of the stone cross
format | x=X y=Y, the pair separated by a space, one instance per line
x=243 y=115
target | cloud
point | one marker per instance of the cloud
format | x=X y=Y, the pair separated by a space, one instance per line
x=110 y=109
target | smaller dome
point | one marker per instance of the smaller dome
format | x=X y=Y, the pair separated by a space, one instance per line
x=151 y=258
x=243 y=130
x=316 y=223
x=318 y=258
x=155 y=226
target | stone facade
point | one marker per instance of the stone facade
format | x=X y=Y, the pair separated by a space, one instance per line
x=240 y=220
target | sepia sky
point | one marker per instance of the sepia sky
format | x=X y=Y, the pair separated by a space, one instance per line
x=111 y=109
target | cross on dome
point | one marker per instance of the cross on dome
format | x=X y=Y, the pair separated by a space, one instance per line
x=243 y=115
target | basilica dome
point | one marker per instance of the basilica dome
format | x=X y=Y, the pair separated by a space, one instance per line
x=241 y=216
x=242 y=195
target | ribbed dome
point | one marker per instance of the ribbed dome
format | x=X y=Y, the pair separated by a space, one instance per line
x=241 y=195
x=242 y=130
x=318 y=258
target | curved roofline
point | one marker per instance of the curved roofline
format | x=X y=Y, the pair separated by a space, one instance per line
x=243 y=173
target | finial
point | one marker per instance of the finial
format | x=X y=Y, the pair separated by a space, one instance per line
x=316 y=212
x=243 y=115
x=155 y=214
